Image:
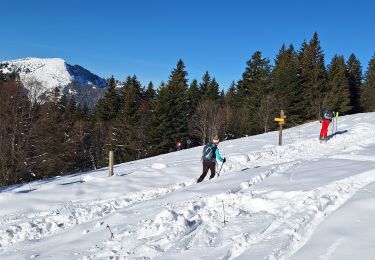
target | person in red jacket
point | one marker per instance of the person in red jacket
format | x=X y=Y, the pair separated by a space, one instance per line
x=327 y=116
x=178 y=145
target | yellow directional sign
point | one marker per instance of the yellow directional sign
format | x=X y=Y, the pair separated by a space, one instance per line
x=279 y=119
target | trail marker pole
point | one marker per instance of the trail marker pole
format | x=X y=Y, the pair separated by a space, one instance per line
x=337 y=117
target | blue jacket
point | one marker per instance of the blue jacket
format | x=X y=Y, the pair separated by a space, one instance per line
x=218 y=156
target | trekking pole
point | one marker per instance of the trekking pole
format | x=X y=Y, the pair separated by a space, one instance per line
x=336 y=125
x=334 y=128
x=337 y=118
x=218 y=174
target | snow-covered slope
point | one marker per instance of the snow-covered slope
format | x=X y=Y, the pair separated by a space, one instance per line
x=303 y=200
x=50 y=73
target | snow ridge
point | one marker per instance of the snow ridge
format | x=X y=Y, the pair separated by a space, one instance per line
x=49 y=73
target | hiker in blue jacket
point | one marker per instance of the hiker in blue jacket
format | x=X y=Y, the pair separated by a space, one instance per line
x=210 y=155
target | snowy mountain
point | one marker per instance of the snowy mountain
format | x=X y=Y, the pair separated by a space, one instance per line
x=303 y=200
x=42 y=75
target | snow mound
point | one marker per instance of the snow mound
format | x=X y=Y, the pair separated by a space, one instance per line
x=158 y=166
x=89 y=178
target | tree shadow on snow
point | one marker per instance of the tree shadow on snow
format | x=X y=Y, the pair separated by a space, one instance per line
x=9 y=188
x=25 y=191
x=72 y=182
x=124 y=174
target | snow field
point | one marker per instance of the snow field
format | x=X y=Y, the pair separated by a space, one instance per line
x=266 y=204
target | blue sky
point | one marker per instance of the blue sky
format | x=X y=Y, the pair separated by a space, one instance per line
x=146 y=38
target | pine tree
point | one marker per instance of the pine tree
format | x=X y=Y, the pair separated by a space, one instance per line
x=127 y=135
x=194 y=95
x=161 y=125
x=231 y=130
x=81 y=145
x=147 y=107
x=105 y=114
x=213 y=90
x=368 y=91
x=150 y=93
x=101 y=143
x=81 y=136
x=82 y=112
x=231 y=95
x=354 y=71
x=286 y=85
x=51 y=139
x=254 y=87
x=203 y=86
x=71 y=109
x=108 y=106
x=338 y=85
x=147 y=117
x=171 y=111
x=209 y=88
x=313 y=78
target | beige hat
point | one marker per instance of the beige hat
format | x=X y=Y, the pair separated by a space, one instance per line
x=216 y=140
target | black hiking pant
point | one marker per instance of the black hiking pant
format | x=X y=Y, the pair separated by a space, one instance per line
x=207 y=166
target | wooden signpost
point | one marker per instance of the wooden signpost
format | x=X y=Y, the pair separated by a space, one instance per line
x=281 y=121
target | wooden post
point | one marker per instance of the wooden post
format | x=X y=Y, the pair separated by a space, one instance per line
x=281 y=121
x=110 y=164
x=280 y=134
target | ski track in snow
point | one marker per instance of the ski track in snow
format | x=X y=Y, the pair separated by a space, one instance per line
x=199 y=222
x=295 y=224
x=38 y=225
x=183 y=225
x=331 y=249
x=178 y=223
x=19 y=227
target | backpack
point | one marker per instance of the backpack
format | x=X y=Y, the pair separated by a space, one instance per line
x=208 y=153
x=327 y=113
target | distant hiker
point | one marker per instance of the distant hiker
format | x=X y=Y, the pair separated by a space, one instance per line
x=178 y=145
x=188 y=143
x=327 y=116
x=209 y=156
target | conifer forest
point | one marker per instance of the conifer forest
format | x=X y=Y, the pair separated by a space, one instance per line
x=58 y=135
